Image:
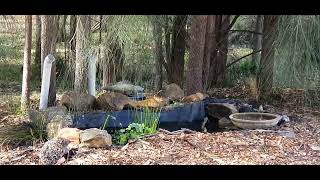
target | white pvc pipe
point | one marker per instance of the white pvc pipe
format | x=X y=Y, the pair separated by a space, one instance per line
x=92 y=75
x=45 y=84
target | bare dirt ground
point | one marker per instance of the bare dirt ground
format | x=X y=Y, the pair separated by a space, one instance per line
x=230 y=147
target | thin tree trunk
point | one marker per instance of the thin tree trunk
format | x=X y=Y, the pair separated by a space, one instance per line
x=218 y=59
x=195 y=64
x=257 y=39
x=72 y=37
x=158 y=52
x=209 y=48
x=25 y=95
x=167 y=33
x=62 y=29
x=265 y=75
x=37 y=58
x=178 y=50
x=49 y=31
x=82 y=38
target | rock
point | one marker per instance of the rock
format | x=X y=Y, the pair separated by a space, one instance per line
x=47 y=114
x=221 y=110
x=53 y=150
x=194 y=98
x=71 y=134
x=112 y=101
x=95 y=138
x=151 y=102
x=172 y=92
x=56 y=124
x=124 y=87
x=315 y=147
x=77 y=101
x=245 y=108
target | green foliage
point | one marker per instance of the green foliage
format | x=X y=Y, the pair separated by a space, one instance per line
x=145 y=123
x=297 y=58
x=241 y=70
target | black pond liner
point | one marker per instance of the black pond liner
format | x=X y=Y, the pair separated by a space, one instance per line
x=189 y=116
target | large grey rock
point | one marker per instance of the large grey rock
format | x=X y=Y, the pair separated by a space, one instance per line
x=124 y=87
x=53 y=150
x=112 y=101
x=221 y=110
x=56 y=124
x=95 y=138
x=173 y=92
x=77 y=101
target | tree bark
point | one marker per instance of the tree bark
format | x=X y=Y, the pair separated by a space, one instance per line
x=25 y=93
x=158 y=53
x=209 y=48
x=82 y=38
x=72 y=37
x=265 y=75
x=49 y=31
x=178 y=50
x=218 y=60
x=62 y=29
x=195 y=64
x=257 y=39
x=37 y=58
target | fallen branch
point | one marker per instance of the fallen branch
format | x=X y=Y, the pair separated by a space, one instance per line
x=246 y=31
x=290 y=134
x=237 y=60
x=183 y=130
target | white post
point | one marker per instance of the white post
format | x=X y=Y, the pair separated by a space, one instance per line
x=45 y=84
x=92 y=75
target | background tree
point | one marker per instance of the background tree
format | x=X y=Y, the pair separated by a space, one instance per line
x=158 y=51
x=25 y=93
x=82 y=39
x=265 y=75
x=257 y=38
x=49 y=31
x=37 y=56
x=195 y=64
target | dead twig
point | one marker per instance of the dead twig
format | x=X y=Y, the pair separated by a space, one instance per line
x=183 y=130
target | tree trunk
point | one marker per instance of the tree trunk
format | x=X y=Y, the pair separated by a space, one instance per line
x=118 y=61
x=25 y=93
x=158 y=54
x=257 y=39
x=62 y=29
x=178 y=40
x=218 y=60
x=209 y=48
x=37 y=58
x=195 y=64
x=167 y=35
x=49 y=31
x=72 y=37
x=265 y=75
x=82 y=38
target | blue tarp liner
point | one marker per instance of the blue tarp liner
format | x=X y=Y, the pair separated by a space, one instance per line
x=188 y=116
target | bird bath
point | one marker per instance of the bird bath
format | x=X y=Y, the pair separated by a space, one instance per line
x=254 y=120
